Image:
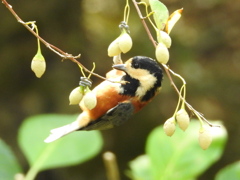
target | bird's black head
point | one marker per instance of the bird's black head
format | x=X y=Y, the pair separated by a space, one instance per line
x=144 y=76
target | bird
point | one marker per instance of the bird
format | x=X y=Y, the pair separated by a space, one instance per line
x=128 y=88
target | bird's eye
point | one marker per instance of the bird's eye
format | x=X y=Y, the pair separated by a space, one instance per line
x=135 y=65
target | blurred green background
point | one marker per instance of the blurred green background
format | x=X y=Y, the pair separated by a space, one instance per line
x=205 y=51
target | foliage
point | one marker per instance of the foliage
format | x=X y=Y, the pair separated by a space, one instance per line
x=8 y=162
x=178 y=157
x=231 y=171
x=160 y=13
x=71 y=150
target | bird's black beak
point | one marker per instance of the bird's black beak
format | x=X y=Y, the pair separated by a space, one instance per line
x=120 y=67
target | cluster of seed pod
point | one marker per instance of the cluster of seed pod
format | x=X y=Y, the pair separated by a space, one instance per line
x=164 y=42
x=121 y=44
x=83 y=94
x=182 y=119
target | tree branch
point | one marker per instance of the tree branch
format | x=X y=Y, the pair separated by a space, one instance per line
x=53 y=48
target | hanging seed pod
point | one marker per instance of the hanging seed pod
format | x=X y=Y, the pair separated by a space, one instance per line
x=125 y=42
x=164 y=38
x=75 y=96
x=38 y=65
x=113 y=48
x=183 y=119
x=161 y=53
x=169 y=126
x=90 y=100
x=205 y=137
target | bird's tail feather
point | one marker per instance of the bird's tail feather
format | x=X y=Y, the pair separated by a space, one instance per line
x=62 y=131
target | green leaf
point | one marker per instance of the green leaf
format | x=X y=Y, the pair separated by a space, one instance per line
x=180 y=156
x=140 y=168
x=160 y=13
x=231 y=172
x=9 y=166
x=72 y=149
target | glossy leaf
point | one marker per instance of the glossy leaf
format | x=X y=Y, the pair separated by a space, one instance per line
x=231 y=172
x=180 y=156
x=72 y=149
x=160 y=13
x=9 y=166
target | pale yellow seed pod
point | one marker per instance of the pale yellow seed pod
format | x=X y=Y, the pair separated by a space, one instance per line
x=169 y=126
x=113 y=48
x=125 y=42
x=90 y=100
x=183 y=119
x=161 y=53
x=75 y=96
x=38 y=65
x=205 y=137
x=164 y=38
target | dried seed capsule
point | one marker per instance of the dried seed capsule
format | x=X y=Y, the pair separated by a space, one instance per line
x=161 y=53
x=125 y=42
x=113 y=48
x=75 y=96
x=205 y=137
x=38 y=65
x=164 y=38
x=172 y=20
x=183 y=119
x=169 y=126
x=90 y=100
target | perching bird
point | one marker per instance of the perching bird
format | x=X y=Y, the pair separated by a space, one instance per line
x=116 y=102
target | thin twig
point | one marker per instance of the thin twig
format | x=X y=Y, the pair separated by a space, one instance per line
x=144 y=24
x=53 y=48
x=154 y=43
x=167 y=69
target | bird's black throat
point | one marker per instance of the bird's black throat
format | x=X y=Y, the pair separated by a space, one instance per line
x=130 y=87
x=132 y=84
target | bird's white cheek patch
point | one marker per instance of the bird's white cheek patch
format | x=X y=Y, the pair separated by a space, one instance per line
x=145 y=85
x=146 y=80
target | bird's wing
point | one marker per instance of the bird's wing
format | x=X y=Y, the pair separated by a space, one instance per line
x=114 y=117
